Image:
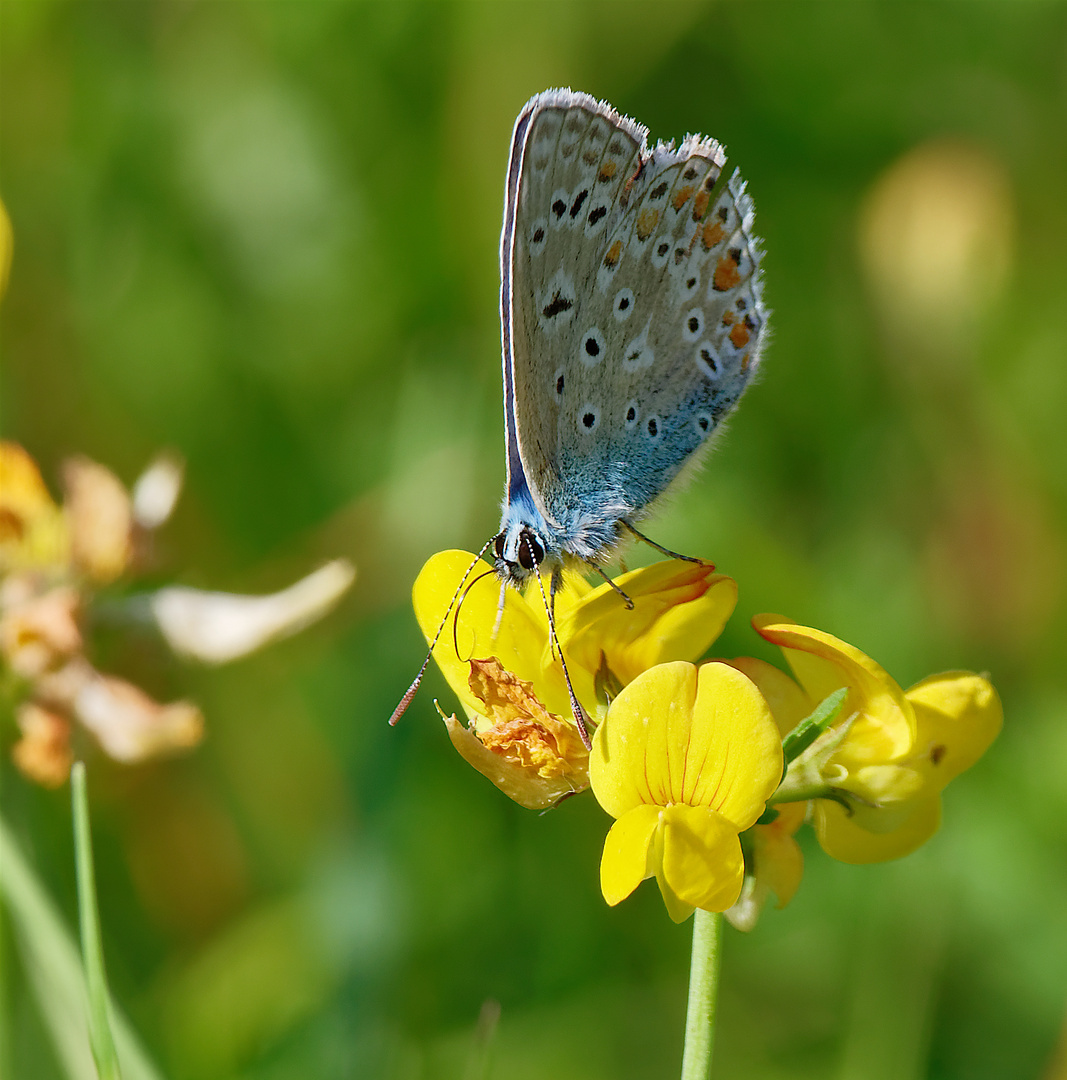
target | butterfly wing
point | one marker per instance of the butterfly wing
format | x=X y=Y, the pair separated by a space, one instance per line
x=631 y=306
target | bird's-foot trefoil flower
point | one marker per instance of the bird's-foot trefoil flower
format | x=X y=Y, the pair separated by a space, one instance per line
x=500 y=661
x=684 y=761
x=877 y=774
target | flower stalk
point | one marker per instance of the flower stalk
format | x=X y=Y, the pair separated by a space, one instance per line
x=703 y=995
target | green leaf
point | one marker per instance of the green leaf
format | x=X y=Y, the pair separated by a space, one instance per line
x=811 y=727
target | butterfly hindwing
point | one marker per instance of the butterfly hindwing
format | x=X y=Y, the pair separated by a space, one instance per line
x=635 y=310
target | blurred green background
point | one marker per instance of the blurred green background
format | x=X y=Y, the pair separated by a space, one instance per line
x=265 y=234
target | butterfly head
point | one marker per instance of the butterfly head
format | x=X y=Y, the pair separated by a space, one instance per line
x=518 y=552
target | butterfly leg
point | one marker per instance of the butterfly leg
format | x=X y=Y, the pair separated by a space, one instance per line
x=580 y=718
x=660 y=548
x=499 y=612
x=625 y=599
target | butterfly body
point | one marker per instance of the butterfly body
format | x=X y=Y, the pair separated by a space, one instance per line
x=632 y=318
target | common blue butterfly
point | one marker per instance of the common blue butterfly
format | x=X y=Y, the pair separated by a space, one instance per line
x=631 y=321
x=631 y=315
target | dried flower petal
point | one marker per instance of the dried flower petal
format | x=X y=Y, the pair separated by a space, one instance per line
x=98 y=508
x=37 y=631
x=43 y=753
x=130 y=725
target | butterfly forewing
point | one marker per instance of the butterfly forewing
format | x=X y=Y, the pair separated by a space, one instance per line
x=636 y=311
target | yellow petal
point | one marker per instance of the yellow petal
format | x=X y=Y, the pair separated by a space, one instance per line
x=678 y=734
x=518 y=645
x=884 y=723
x=872 y=835
x=679 y=609
x=702 y=861
x=788 y=702
x=734 y=758
x=625 y=862
x=6 y=246
x=779 y=862
x=629 y=764
x=958 y=715
x=33 y=531
x=526 y=785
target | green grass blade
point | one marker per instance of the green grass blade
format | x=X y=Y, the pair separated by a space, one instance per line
x=53 y=968
x=101 y=1040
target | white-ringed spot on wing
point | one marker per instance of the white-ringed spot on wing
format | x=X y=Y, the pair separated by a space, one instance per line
x=630 y=417
x=538 y=234
x=556 y=303
x=558 y=382
x=692 y=324
x=595 y=220
x=690 y=284
x=653 y=428
x=707 y=360
x=703 y=423
x=623 y=306
x=558 y=206
x=638 y=354
x=661 y=252
x=588 y=419
x=591 y=347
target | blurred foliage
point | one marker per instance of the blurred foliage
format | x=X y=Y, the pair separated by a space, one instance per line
x=265 y=234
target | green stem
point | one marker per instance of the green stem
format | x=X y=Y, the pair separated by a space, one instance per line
x=703 y=991
x=100 y=1038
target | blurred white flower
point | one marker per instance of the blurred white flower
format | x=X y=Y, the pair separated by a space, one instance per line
x=216 y=627
x=156 y=491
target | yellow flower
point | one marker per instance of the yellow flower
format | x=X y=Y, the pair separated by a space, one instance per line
x=33 y=531
x=509 y=682
x=685 y=761
x=774 y=863
x=892 y=753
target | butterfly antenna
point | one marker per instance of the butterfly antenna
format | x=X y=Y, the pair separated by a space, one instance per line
x=405 y=701
x=576 y=708
x=459 y=607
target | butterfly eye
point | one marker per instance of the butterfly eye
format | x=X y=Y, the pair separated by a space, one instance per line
x=498 y=546
x=531 y=553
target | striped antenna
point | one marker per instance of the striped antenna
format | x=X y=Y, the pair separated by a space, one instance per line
x=406 y=700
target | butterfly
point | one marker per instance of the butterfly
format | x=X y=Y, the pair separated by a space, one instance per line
x=632 y=317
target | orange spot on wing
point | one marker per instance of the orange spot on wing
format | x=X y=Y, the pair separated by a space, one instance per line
x=729 y=318
x=646 y=222
x=739 y=335
x=700 y=205
x=613 y=254
x=713 y=234
x=607 y=171
x=726 y=275
x=744 y=362
x=681 y=196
